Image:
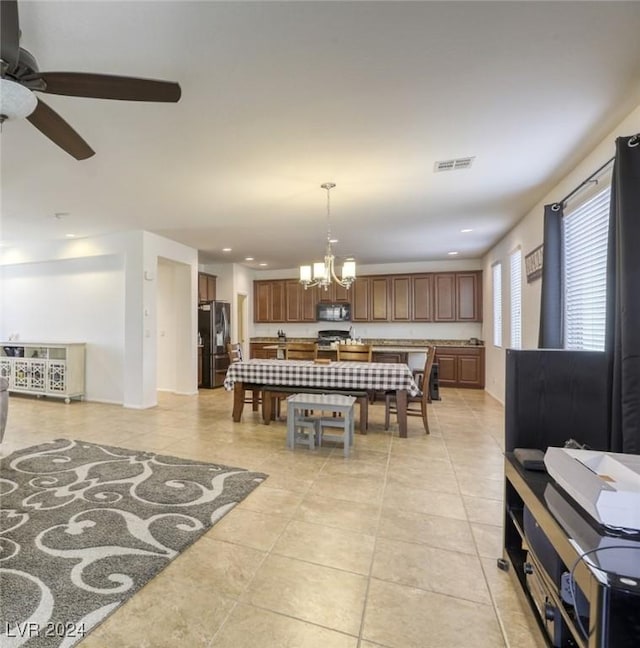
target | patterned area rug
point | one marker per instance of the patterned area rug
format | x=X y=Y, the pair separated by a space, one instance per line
x=84 y=526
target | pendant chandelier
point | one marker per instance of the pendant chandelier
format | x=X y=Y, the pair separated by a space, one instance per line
x=324 y=272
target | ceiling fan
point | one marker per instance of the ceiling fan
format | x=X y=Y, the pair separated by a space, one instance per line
x=20 y=77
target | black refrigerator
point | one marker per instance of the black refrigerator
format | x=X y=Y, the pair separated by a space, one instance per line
x=214 y=326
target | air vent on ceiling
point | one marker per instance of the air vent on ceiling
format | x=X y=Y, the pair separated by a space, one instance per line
x=453 y=165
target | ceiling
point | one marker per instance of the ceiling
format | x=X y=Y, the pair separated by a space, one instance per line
x=279 y=97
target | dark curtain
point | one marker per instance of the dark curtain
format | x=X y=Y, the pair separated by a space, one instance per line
x=622 y=342
x=550 y=336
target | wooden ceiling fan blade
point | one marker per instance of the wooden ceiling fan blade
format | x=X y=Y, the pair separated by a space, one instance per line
x=49 y=123
x=106 y=86
x=10 y=48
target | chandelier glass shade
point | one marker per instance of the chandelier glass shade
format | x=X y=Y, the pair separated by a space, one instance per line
x=323 y=273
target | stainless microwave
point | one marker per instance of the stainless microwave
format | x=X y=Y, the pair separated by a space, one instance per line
x=326 y=312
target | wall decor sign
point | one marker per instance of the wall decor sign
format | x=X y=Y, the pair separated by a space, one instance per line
x=533 y=264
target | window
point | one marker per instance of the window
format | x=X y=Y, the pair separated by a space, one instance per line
x=585 y=231
x=515 y=278
x=497 y=304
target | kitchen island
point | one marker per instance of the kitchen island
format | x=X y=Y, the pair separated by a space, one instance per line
x=460 y=364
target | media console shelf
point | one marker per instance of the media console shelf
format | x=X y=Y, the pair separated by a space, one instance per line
x=552 y=396
x=44 y=369
x=545 y=535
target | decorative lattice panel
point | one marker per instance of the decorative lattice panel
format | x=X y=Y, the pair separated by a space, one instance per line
x=5 y=369
x=21 y=374
x=57 y=377
x=37 y=374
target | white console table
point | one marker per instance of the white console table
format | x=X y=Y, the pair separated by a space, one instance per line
x=44 y=369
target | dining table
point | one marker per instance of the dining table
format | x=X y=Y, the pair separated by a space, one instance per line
x=298 y=375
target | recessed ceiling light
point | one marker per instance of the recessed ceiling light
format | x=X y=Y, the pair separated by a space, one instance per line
x=467 y=229
x=70 y=235
x=226 y=249
x=248 y=259
x=452 y=253
x=264 y=264
x=333 y=240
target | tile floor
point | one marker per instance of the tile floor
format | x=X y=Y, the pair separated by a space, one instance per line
x=395 y=546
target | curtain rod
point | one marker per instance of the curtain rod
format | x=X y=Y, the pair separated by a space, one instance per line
x=561 y=203
x=634 y=141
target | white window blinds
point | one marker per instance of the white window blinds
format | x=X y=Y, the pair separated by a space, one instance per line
x=497 y=304
x=515 y=280
x=585 y=231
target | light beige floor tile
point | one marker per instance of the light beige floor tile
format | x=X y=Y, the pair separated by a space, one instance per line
x=488 y=540
x=483 y=510
x=276 y=501
x=251 y=627
x=361 y=517
x=430 y=568
x=355 y=489
x=433 y=530
x=321 y=595
x=327 y=546
x=250 y=528
x=487 y=488
x=422 y=501
x=405 y=617
x=227 y=567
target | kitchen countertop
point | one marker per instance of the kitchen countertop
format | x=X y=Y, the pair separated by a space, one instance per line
x=380 y=344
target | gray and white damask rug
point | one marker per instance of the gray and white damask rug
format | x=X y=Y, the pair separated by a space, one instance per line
x=84 y=526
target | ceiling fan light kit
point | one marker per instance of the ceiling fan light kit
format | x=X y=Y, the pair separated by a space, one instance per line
x=324 y=271
x=21 y=77
x=16 y=101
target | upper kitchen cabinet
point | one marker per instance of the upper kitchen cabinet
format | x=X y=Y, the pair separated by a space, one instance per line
x=269 y=301
x=457 y=297
x=206 y=287
x=360 y=300
x=422 y=297
x=425 y=297
x=300 y=304
x=380 y=298
x=401 y=298
x=334 y=294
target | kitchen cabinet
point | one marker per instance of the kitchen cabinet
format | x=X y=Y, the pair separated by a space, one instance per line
x=380 y=299
x=422 y=298
x=269 y=301
x=44 y=369
x=360 y=300
x=390 y=356
x=460 y=366
x=458 y=297
x=257 y=350
x=401 y=298
x=334 y=294
x=300 y=304
x=206 y=287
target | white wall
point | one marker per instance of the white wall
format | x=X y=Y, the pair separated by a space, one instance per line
x=71 y=300
x=112 y=305
x=528 y=234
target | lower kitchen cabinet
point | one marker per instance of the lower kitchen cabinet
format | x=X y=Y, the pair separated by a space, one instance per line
x=460 y=366
x=257 y=350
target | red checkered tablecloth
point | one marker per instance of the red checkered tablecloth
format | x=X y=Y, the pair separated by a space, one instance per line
x=384 y=376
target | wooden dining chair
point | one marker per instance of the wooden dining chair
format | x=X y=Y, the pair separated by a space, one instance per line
x=354 y=352
x=234 y=351
x=357 y=353
x=416 y=405
x=301 y=351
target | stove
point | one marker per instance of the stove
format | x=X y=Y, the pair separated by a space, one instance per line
x=327 y=337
